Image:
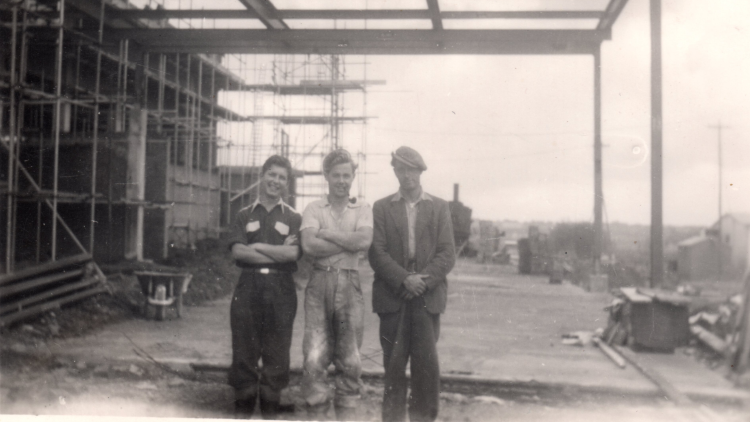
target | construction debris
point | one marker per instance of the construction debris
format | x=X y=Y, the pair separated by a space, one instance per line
x=610 y=352
x=665 y=386
x=648 y=319
x=718 y=345
x=32 y=291
x=577 y=338
x=490 y=400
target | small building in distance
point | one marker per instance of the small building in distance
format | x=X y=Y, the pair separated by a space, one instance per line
x=735 y=238
x=698 y=256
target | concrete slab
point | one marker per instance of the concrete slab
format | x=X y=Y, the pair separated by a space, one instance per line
x=500 y=327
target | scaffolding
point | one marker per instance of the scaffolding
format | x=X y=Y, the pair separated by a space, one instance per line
x=302 y=108
x=121 y=152
x=111 y=150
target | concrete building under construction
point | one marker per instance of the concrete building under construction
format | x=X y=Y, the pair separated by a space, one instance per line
x=122 y=153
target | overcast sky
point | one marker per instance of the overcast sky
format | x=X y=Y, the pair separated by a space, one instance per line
x=516 y=132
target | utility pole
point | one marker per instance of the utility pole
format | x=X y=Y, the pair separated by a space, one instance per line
x=657 y=222
x=719 y=127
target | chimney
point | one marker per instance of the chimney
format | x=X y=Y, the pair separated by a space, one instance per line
x=455 y=192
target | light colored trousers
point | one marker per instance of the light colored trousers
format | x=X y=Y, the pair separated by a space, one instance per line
x=334 y=324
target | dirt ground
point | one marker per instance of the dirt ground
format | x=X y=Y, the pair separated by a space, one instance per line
x=39 y=386
x=33 y=382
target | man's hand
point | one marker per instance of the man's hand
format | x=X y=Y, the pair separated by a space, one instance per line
x=415 y=284
x=322 y=234
x=291 y=240
x=405 y=295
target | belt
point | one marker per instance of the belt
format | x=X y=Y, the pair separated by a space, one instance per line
x=411 y=265
x=331 y=269
x=263 y=270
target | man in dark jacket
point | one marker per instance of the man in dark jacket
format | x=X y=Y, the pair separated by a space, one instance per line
x=412 y=252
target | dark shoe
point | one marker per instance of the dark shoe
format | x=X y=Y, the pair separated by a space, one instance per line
x=346 y=413
x=318 y=412
x=244 y=407
x=272 y=409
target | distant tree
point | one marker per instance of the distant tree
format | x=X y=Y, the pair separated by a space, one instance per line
x=577 y=239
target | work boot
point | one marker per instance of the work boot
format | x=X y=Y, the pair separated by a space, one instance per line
x=244 y=404
x=346 y=414
x=318 y=412
x=271 y=409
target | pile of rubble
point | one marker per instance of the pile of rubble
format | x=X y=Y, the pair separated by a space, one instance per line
x=719 y=328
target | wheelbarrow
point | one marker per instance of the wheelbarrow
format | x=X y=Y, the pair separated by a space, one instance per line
x=162 y=290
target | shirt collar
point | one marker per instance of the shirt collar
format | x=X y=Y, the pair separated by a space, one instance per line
x=324 y=203
x=423 y=197
x=280 y=203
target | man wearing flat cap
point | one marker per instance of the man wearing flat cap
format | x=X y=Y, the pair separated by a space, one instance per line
x=412 y=252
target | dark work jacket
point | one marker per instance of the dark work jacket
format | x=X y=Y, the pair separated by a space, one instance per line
x=389 y=253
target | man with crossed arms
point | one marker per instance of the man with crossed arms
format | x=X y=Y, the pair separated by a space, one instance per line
x=264 y=243
x=334 y=230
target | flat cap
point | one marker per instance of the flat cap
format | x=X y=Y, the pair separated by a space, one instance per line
x=410 y=157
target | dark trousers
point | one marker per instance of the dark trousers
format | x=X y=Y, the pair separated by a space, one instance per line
x=412 y=332
x=261 y=317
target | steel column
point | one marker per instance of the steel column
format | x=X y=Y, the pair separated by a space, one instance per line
x=657 y=246
x=598 y=191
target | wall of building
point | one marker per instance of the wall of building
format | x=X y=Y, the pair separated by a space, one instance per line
x=194 y=208
x=735 y=234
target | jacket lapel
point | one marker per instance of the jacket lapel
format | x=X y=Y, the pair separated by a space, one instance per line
x=398 y=212
x=424 y=215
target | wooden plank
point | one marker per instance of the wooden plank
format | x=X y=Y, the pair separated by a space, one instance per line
x=5 y=320
x=160 y=274
x=718 y=345
x=44 y=268
x=655 y=377
x=37 y=282
x=610 y=352
x=19 y=305
x=632 y=294
x=665 y=296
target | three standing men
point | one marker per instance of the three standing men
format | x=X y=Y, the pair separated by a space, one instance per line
x=412 y=252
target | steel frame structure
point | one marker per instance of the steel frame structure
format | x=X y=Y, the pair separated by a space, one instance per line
x=146 y=31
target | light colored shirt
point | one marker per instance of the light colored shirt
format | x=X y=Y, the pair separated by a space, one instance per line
x=319 y=215
x=411 y=218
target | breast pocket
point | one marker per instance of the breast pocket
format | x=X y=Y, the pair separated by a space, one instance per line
x=282 y=228
x=252 y=231
x=252 y=226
